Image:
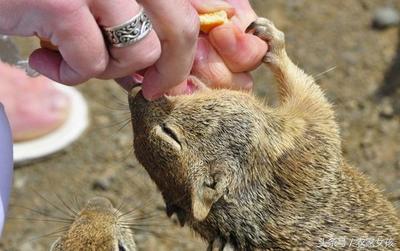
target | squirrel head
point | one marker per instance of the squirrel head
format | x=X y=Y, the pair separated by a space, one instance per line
x=197 y=147
x=98 y=226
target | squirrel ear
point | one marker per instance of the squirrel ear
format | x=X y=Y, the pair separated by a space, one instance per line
x=204 y=195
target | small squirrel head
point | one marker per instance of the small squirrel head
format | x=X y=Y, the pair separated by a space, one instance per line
x=96 y=227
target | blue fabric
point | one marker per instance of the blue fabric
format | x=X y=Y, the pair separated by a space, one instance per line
x=6 y=165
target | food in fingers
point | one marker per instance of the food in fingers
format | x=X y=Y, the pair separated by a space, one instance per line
x=208 y=21
x=44 y=43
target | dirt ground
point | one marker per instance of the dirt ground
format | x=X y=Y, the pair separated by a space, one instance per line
x=364 y=86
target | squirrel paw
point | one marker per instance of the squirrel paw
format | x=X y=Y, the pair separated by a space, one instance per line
x=266 y=30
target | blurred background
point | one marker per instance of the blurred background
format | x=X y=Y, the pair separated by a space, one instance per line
x=356 y=63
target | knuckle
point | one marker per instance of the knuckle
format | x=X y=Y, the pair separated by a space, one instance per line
x=60 y=7
x=152 y=53
x=124 y=61
x=191 y=31
x=187 y=30
x=140 y=57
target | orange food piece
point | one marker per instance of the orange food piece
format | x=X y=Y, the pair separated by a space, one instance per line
x=208 y=21
x=44 y=43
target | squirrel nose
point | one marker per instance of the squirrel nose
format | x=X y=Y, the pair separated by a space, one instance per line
x=99 y=203
x=135 y=98
x=144 y=113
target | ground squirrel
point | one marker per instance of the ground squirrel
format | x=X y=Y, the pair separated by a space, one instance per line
x=98 y=226
x=256 y=177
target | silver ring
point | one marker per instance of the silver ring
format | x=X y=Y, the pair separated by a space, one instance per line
x=129 y=32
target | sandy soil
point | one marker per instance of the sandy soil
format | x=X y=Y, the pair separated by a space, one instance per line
x=365 y=87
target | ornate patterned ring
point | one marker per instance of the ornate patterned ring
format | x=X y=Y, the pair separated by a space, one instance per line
x=129 y=32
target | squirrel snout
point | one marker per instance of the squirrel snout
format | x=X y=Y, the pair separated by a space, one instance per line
x=137 y=104
x=144 y=111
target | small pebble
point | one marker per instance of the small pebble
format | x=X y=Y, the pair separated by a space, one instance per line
x=386 y=109
x=19 y=182
x=385 y=17
x=104 y=182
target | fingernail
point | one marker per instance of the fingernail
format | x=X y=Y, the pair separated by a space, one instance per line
x=214 y=5
x=138 y=78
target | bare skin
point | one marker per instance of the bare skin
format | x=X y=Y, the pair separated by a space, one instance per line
x=98 y=226
x=246 y=176
x=74 y=26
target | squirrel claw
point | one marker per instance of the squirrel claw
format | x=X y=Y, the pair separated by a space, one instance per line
x=220 y=245
x=266 y=30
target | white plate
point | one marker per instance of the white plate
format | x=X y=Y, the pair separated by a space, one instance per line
x=73 y=127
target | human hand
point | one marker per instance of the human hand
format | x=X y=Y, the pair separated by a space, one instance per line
x=73 y=26
x=226 y=55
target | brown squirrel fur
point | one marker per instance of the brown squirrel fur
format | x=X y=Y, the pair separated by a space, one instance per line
x=258 y=177
x=98 y=226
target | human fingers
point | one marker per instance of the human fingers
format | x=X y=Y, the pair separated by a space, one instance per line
x=129 y=82
x=82 y=53
x=211 y=69
x=133 y=57
x=177 y=25
x=240 y=51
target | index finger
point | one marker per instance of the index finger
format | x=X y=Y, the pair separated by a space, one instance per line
x=177 y=25
x=82 y=51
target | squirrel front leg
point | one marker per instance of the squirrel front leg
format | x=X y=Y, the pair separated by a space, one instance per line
x=298 y=92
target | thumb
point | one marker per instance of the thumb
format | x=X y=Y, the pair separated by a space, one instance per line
x=240 y=51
